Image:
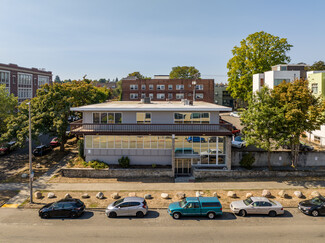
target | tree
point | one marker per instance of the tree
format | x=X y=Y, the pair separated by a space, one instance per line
x=261 y=121
x=317 y=66
x=256 y=54
x=102 y=80
x=8 y=105
x=57 y=79
x=51 y=109
x=301 y=112
x=184 y=72
x=137 y=75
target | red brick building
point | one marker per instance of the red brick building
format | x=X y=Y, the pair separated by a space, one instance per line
x=168 y=89
x=23 y=82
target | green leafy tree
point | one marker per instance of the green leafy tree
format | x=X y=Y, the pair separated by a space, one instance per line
x=51 y=109
x=184 y=72
x=256 y=54
x=317 y=66
x=8 y=105
x=57 y=79
x=102 y=80
x=301 y=112
x=261 y=121
x=138 y=75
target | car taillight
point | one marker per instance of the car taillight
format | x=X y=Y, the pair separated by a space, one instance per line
x=281 y=208
x=221 y=209
x=144 y=206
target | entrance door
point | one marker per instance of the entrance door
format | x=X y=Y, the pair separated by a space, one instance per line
x=183 y=167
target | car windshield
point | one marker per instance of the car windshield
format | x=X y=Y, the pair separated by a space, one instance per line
x=182 y=203
x=118 y=202
x=317 y=201
x=248 y=201
x=238 y=139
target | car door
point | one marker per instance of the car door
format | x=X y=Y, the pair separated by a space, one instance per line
x=123 y=209
x=133 y=208
x=267 y=207
x=67 y=209
x=322 y=209
x=58 y=210
x=191 y=209
x=254 y=208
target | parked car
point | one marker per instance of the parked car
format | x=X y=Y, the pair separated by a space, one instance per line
x=214 y=139
x=257 y=205
x=235 y=130
x=314 y=207
x=211 y=151
x=196 y=206
x=63 y=208
x=196 y=139
x=5 y=149
x=129 y=206
x=238 y=142
x=235 y=114
x=55 y=142
x=42 y=150
x=185 y=151
x=302 y=147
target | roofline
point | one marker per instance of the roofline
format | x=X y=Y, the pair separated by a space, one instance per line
x=150 y=109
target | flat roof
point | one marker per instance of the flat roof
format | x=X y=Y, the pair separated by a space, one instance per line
x=153 y=106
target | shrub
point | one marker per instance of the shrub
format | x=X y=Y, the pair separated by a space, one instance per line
x=96 y=164
x=154 y=165
x=81 y=150
x=124 y=162
x=247 y=161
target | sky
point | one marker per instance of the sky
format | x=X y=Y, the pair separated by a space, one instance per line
x=109 y=39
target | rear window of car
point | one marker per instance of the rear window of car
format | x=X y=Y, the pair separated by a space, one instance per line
x=132 y=204
x=210 y=204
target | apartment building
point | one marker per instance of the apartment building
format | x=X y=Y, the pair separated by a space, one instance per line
x=278 y=74
x=23 y=82
x=170 y=133
x=222 y=96
x=163 y=89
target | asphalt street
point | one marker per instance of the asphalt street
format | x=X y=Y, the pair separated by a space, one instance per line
x=24 y=225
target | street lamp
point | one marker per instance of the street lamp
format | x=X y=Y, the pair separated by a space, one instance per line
x=31 y=173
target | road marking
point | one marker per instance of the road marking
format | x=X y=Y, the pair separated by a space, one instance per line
x=10 y=206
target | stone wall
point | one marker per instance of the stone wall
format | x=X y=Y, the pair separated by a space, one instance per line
x=115 y=173
x=235 y=174
x=281 y=158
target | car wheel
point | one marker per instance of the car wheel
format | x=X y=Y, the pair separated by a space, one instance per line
x=73 y=215
x=139 y=214
x=272 y=213
x=177 y=215
x=45 y=215
x=211 y=215
x=314 y=213
x=242 y=213
x=112 y=215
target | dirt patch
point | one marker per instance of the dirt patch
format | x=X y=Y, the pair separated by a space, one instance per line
x=6 y=195
x=59 y=179
x=14 y=165
x=158 y=202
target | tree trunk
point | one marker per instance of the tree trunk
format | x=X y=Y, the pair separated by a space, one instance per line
x=63 y=141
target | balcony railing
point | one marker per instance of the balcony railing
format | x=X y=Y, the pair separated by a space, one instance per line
x=150 y=129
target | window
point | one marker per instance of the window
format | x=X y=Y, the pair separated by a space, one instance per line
x=170 y=96
x=133 y=96
x=179 y=96
x=170 y=87
x=150 y=86
x=283 y=68
x=199 y=87
x=193 y=118
x=160 y=96
x=198 y=96
x=262 y=82
x=133 y=87
x=107 y=118
x=179 y=87
x=42 y=80
x=279 y=81
x=210 y=204
x=25 y=89
x=143 y=117
x=316 y=139
x=143 y=95
x=5 y=79
x=160 y=87
x=314 y=88
x=143 y=86
x=151 y=96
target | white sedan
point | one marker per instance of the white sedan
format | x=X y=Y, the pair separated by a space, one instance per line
x=235 y=114
x=238 y=142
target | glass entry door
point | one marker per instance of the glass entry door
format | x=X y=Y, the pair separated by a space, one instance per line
x=183 y=167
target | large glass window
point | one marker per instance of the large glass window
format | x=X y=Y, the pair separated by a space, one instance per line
x=179 y=96
x=179 y=86
x=134 y=96
x=104 y=118
x=25 y=88
x=160 y=96
x=139 y=142
x=199 y=87
x=279 y=81
x=103 y=141
x=160 y=87
x=5 y=79
x=194 y=118
x=89 y=141
x=133 y=87
x=43 y=80
x=143 y=117
x=314 y=88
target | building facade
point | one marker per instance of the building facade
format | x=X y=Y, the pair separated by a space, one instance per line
x=168 y=89
x=23 y=82
x=222 y=96
x=156 y=133
x=278 y=74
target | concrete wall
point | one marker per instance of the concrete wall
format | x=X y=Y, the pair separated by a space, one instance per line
x=115 y=173
x=256 y=81
x=136 y=156
x=281 y=158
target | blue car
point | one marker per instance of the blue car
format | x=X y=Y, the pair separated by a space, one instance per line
x=196 y=206
x=196 y=139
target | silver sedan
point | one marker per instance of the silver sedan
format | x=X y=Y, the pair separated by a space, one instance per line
x=129 y=206
x=257 y=205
